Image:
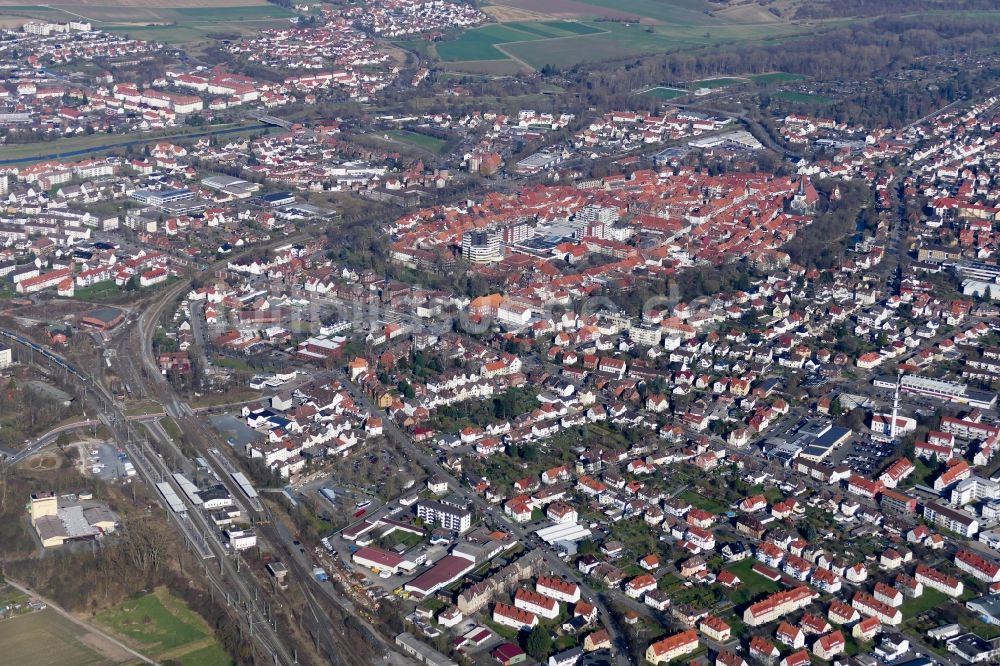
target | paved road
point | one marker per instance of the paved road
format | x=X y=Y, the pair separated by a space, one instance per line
x=139 y=365
x=433 y=468
x=125 y=144
x=48 y=438
x=762 y=131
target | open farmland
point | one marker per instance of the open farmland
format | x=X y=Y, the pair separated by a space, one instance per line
x=481 y=43
x=55 y=5
x=184 y=21
x=162 y=626
x=478 y=44
x=638 y=27
x=47 y=638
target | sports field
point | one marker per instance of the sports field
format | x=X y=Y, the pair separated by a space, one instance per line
x=423 y=141
x=665 y=93
x=46 y=638
x=712 y=84
x=163 y=627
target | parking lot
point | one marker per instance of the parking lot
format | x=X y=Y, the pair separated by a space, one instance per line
x=866 y=457
x=103 y=461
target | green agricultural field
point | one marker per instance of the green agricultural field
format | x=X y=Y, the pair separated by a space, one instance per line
x=775 y=77
x=573 y=27
x=162 y=626
x=478 y=44
x=627 y=40
x=667 y=25
x=185 y=24
x=802 y=98
x=664 y=93
x=47 y=638
x=539 y=29
x=211 y=14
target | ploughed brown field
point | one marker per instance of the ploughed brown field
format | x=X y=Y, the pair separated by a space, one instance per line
x=567 y=9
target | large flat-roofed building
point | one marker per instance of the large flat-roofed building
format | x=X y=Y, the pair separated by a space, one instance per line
x=103 y=319
x=444 y=572
x=825 y=443
x=421 y=651
x=482 y=246
x=234 y=187
x=275 y=199
x=942 y=389
x=376 y=558
x=6 y=357
x=958 y=521
x=162 y=197
x=446 y=515
x=68 y=518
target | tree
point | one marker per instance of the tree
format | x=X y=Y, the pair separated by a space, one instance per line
x=539 y=643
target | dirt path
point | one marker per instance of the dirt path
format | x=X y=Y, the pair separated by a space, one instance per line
x=81 y=623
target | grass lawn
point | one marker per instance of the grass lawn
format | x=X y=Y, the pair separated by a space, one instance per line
x=775 y=77
x=704 y=503
x=773 y=495
x=931 y=598
x=426 y=142
x=161 y=625
x=213 y=655
x=407 y=538
x=507 y=632
x=662 y=92
x=923 y=473
x=754 y=585
x=970 y=622
x=231 y=363
x=171 y=428
x=566 y=642
x=667 y=581
x=802 y=98
x=102 y=292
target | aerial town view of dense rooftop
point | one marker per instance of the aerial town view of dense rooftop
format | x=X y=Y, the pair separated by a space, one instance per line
x=489 y=332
